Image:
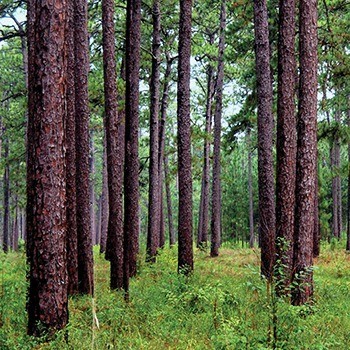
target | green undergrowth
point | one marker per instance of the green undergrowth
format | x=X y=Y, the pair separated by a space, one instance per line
x=224 y=305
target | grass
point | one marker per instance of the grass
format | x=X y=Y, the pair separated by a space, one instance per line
x=224 y=305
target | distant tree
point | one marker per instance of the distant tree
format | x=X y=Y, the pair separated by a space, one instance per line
x=131 y=173
x=46 y=176
x=114 y=157
x=216 y=183
x=6 y=244
x=348 y=204
x=306 y=154
x=154 y=175
x=286 y=141
x=265 y=135
x=185 y=260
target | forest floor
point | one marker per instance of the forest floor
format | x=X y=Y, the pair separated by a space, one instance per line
x=224 y=305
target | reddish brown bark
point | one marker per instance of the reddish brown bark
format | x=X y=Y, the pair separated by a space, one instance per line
x=286 y=142
x=185 y=259
x=216 y=189
x=265 y=134
x=306 y=153
x=155 y=189
x=46 y=186
x=81 y=51
x=114 y=157
x=131 y=172
x=71 y=209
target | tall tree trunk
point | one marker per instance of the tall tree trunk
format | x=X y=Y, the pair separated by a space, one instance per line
x=250 y=190
x=114 y=157
x=6 y=183
x=185 y=259
x=154 y=184
x=46 y=186
x=348 y=204
x=317 y=233
x=131 y=173
x=81 y=47
x=98 y=220
x=71 y=206
x=306 y=153
x=286 y=144
x=161 y=149
x=267 y=220
x=104 y=201
x=203 y=222
x=172 y=239
x=216 y=190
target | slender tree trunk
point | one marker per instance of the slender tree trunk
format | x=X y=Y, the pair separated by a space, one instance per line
x=306 y=153
x=216 y=190
x=267 y=221
x=81 y=46
x=92 y=189
x=161 y=157
x=46 y=185
x=348 y=204
x=104 y=201
x=203 y=222
x=131 y=176
x=98 y=220
x=6 y=183
x=154 y=184
x=286 y=143
x=114 y=157
x=250 y=190
x=71 y=206
x=185 y=260
x=317 y=233
x=172 y=239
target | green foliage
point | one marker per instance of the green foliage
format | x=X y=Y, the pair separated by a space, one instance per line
x=224 y=305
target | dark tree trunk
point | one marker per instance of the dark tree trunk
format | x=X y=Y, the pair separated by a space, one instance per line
x=250 y=190
x=92 y=189
x=114 y=157
x=306 y=153
x=6 y=244
x=81 y=47
x=98 y=220
x=172 y=239
x=286 y=143
x=317 y=233
x=185 y=260
x=267 y=220
x=203 y=222
x=104 y=201
x=216 y=189
x=154 y=175
x=161 y=158
x=15 y=226
x=131 y=172
x=71 y=208
x=46 y=186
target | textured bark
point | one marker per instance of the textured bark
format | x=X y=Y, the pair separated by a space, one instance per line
x=46 y=186
x=203 y=222
x=216 y=189
x=81 y=50
x=286 y=143
x=161 y=149
x=250 y=190
x=6 y=244
x=185 y=259
x=114 y=156
x=71 y=209
x=155 y=189
x=172 y=238
x=267 y=220
x=92 y=189
x=131 y=172
x=104 y=201
x=306 y=153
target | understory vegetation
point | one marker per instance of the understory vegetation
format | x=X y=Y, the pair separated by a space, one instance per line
x=224 y=305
